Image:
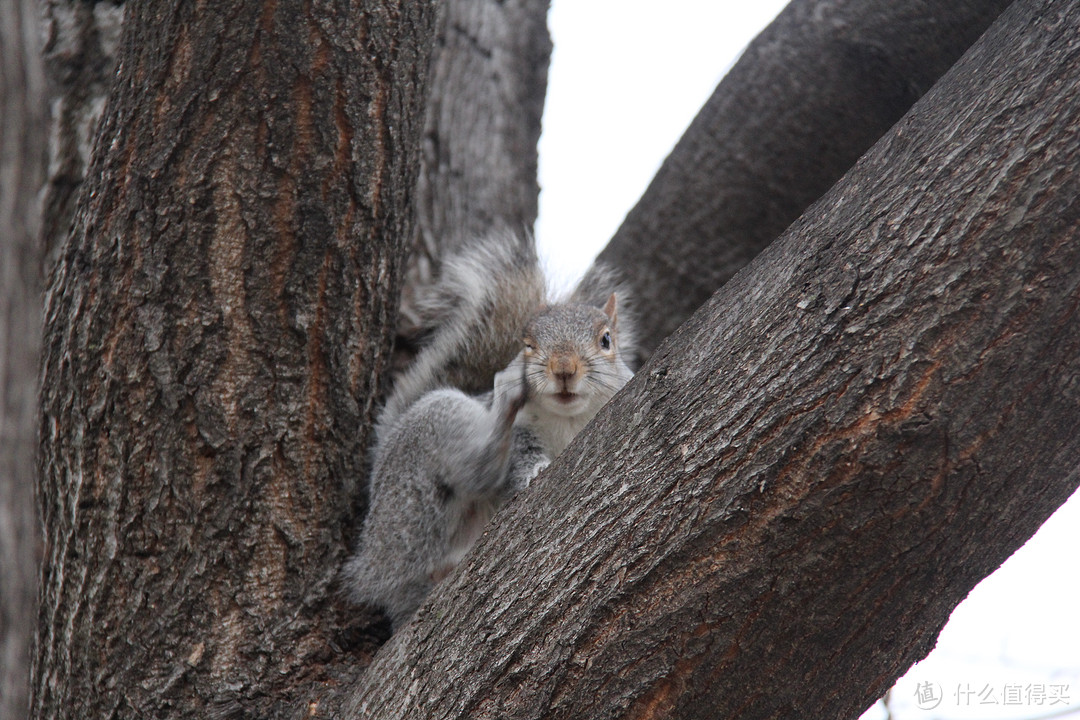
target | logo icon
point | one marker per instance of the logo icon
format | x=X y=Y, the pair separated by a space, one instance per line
x=927 y=695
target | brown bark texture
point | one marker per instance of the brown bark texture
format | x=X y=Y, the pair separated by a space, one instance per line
x=22 y=170
x=810 y=95
x=777 y=515
x=486 y=90
x=81 y=41
x=216 y=326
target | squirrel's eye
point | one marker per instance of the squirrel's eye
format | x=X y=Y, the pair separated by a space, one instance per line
x=605 y=341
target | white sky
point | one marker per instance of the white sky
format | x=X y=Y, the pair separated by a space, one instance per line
x=626 y=79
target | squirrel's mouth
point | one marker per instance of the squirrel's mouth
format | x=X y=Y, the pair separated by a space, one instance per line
x=565 y=397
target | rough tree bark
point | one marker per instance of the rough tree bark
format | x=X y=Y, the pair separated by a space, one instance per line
x=486 y=97
x=814 y=470
x=80 y=40
x=216 y=326
x=809 y=96
x=22 y=168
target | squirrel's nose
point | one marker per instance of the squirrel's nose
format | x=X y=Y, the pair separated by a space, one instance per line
x=563 y=367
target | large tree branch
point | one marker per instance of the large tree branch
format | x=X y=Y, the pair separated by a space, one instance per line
x=216 y=327
x=777 y=515
x=809 y=96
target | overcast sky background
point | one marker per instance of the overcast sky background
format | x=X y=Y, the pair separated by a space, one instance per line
x=626 y=79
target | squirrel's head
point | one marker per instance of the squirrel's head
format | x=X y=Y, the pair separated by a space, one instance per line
x=571 y=356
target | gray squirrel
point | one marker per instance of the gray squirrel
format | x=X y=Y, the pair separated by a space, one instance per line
x=446 y=456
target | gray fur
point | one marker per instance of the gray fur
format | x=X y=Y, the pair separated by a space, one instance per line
x=527 y=458
x=474 y=314
x=440 y=472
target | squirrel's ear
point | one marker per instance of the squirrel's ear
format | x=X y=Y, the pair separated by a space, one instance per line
x=609 y=309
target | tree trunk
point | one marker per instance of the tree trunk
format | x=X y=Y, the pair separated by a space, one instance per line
x=478 y=163
x=216 y=327
x=809 y=96
x=486 y=98
x=22 y=168
x=806 y=479
x=488 y=81
x=81 y=41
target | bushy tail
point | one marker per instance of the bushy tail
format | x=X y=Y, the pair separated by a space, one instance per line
x=474 y=316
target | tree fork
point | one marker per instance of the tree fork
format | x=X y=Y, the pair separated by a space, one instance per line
x=777 y=515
